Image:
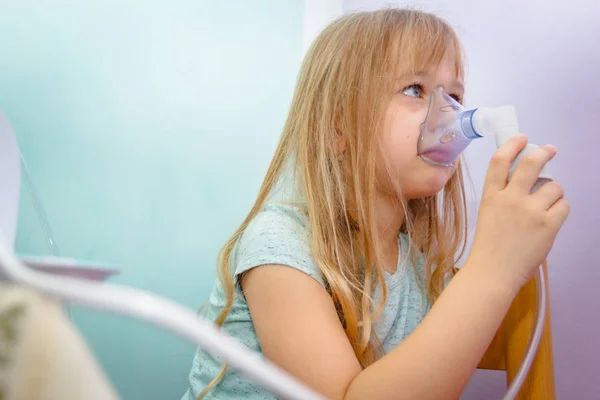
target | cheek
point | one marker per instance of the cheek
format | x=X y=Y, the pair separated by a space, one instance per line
x=402 y=137
x=399 y=141
x=398 y=154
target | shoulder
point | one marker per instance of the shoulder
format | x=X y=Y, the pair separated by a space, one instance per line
x=283 y=218
x=278 y=234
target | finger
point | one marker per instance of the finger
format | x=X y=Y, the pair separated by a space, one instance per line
x=529 y=168
x=548 y=194
x=497 y=174
x=559 y=212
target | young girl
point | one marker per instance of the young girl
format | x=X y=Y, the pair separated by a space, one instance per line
x=337 y=273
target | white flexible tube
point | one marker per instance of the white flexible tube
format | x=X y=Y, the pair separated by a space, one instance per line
x=159 y=311
x=534 y=341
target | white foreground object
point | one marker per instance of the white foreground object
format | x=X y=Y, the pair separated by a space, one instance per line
x=159 y=311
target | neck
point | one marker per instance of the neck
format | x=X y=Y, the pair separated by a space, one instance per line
x=389 y=219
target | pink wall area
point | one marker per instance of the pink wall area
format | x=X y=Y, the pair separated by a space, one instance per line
x=544 y=58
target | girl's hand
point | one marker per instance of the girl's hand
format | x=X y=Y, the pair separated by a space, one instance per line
x=515 y=228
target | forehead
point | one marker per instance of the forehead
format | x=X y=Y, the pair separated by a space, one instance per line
x=444 y=71
x=427 y=49
x=449 y=64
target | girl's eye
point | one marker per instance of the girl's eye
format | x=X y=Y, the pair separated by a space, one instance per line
x=414 y=90
x=457 y=98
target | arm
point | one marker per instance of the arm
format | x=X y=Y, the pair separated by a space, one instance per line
x=437 y=360
x=298 y=329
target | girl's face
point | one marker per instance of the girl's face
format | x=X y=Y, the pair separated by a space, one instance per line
x=404 y=115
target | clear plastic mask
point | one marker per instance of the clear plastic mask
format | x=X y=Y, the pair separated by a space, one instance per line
x=446 y=131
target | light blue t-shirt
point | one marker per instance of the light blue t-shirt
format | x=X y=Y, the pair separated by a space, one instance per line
x=279 y=235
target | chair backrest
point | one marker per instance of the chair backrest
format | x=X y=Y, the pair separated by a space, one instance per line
x=510 y=344
x=10 y=180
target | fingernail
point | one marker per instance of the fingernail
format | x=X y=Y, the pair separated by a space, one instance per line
x=551 y=148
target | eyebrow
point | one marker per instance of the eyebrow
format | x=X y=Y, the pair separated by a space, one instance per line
x=458 y=85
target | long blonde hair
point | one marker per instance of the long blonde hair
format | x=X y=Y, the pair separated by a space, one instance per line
x=344 y=86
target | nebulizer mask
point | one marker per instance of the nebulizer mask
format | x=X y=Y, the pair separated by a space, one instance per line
x=448 y=129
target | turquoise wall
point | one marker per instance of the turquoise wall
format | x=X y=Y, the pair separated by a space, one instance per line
x=147 y=126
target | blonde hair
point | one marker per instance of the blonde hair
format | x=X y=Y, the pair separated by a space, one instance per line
x=344 y=86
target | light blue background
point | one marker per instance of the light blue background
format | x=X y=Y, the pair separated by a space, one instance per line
x=147 y=126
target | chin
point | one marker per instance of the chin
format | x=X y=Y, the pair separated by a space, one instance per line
x=431 y=181
x=426 y=191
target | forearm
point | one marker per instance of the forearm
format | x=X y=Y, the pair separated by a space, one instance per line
x=438 y=358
